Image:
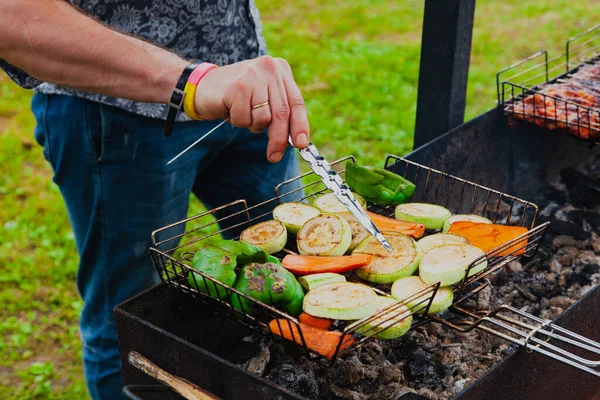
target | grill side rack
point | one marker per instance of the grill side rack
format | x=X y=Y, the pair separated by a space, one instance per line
x=532 y=89
x=174 y=247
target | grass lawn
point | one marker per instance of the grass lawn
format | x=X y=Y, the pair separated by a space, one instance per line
x=357 y=62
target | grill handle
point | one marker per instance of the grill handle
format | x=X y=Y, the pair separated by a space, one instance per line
x=183 y=387
x=533 y=334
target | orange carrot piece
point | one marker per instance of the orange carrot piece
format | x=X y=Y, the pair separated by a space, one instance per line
x=318 y=340
x=316 y=322
x=305 y=265
x=390 y=224
x=488 y=237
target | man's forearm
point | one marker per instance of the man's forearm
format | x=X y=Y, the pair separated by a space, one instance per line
x=54 y=42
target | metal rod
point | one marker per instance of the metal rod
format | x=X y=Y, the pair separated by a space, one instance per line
x=197 y=141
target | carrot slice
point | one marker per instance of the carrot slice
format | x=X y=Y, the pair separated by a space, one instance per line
x=316 y=322
x=318 y=340
x=488 y=237
x=390 y=224
x=305 y=265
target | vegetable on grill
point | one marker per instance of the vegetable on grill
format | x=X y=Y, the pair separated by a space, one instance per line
x=405 y=287
x=318 y=340
x=316 y=322
x=345 y=301
x=330 y=204
x=392 y=324
x=311 y=282
x=393 y=225
x=271 y=236
x=378 y=185
x=385 y=266
x=219 y=258
x=448 y=264
x=271 y=284
x=305 y=265
x=488 y=237
x=359 y=233
x=430 y=215
x=439 y=239
x=294 y=215
x=324 y=235
x=464 y=217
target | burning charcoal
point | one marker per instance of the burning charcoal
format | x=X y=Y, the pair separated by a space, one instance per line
x=514 y=267
x=418 y=363
x=483 y=298
x=568 y=228
x=583 y=190
x=258 y=364
x=390 y=373
x=296 y=380
x=459 y=385
x=347 y=394
x=562 y=241
x=350 y=371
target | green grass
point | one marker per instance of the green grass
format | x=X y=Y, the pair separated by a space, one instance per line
x=357 y=63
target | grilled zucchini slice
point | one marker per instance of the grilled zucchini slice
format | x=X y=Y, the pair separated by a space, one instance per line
x=359 y=233
x=324 y=235
x=448 y=264
x=271 y=236
x=403 y=288
x=294 y=215
x=430 y=215
x=464 y=217
x=392 y=324
x=344 y=301
x=385 y=266
x=439 y=239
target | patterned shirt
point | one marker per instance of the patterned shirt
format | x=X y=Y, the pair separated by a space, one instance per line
x=217 y=31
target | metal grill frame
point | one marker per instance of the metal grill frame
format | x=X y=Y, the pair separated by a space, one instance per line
x=530 y=76
x=172 y=255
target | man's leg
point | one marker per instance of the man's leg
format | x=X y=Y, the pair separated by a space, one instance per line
x=110 y=168
x=241 y=171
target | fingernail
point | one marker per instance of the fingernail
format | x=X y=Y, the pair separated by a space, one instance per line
x=302 y=139
x=275 y=157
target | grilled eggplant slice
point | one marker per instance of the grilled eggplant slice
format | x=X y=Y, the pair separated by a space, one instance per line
x=464 y=217
x=448 y=264
x=271 y=236
x=344 y=301
x=439 y=239
x=385 y=266
x=430 y=215
x=330 y=204
x=324 y=235
x=294 y=215
x=392 y=324
x=403 y=288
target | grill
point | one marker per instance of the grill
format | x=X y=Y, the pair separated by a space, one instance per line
x=562 y=93
x=497 y=159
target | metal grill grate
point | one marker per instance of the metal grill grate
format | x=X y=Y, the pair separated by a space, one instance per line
x=174 y=247
x=561 y=93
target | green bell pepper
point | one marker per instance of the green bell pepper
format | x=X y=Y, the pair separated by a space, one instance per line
x=219 y=259
x=378 y=185
x=271 y=284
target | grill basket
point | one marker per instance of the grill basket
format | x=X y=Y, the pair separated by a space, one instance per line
x=174 y=247
x=533 y=89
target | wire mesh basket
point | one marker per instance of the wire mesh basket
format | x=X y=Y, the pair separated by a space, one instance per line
x=174 y=247
x=562 y=93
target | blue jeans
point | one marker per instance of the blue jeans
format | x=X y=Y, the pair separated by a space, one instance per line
x=110 y=167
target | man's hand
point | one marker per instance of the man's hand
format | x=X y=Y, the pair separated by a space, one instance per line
x=233 y=90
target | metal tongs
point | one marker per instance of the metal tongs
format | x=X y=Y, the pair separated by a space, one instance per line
x=330 y=179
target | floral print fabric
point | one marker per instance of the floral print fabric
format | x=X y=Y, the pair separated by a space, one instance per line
x=218 y=31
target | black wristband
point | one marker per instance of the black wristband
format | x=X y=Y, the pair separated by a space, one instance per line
x=176 y=100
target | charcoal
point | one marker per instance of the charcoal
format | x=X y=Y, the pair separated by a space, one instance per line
x=347 y=394
x=572 y=229
x=296 y=380
x=583 y=190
